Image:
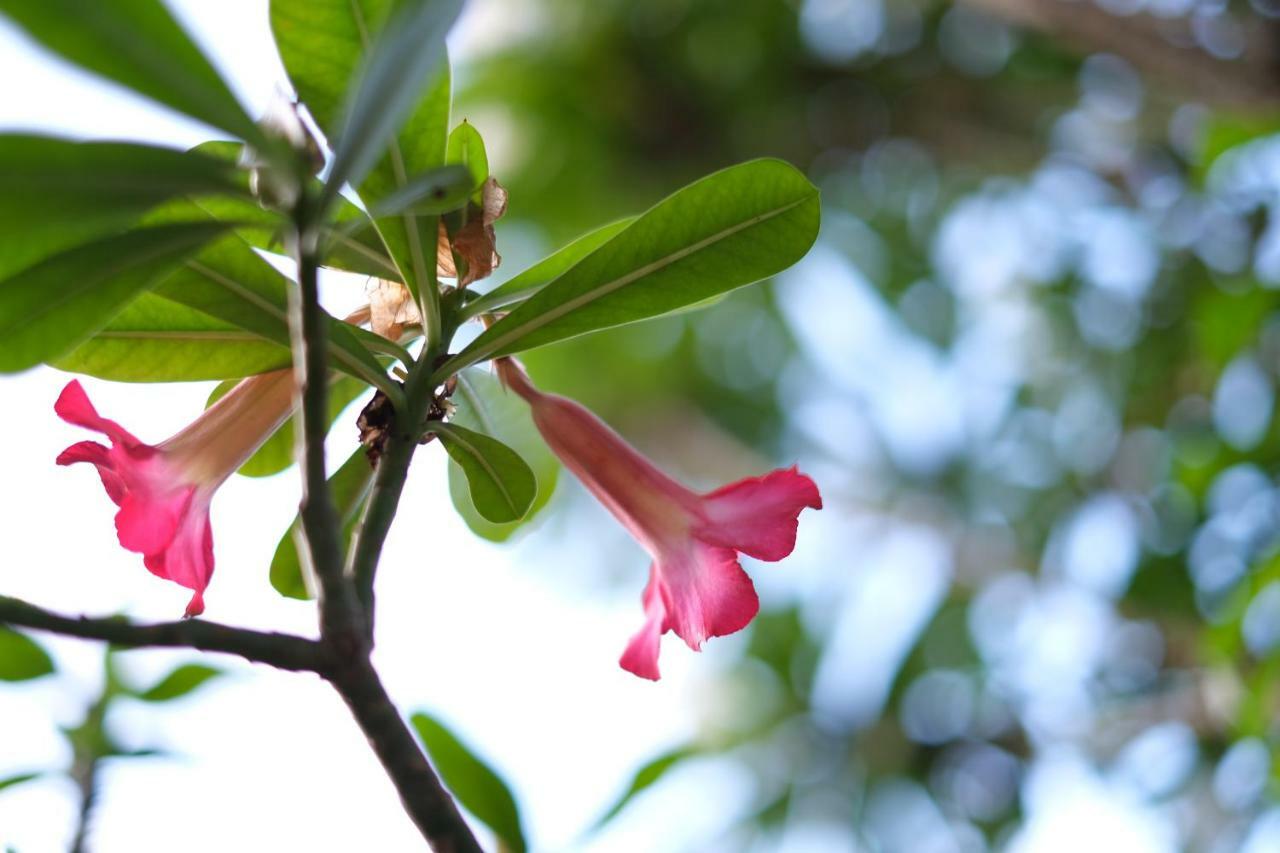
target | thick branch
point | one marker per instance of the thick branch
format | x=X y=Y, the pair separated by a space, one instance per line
x=429 y=805
x=283 y=651
x=340 y=614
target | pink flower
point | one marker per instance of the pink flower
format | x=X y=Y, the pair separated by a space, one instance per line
x=164 y=491
x=696 y=586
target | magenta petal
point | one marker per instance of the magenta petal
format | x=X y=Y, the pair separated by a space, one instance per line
x=100 y=458
x=641 y=655
x=73 y=406
x=146 y=523
x=707 y=594
x=189 y=558
x=195 y=606
x=164 y=511
x=155 y=565
x=758 y=516
x=85 y=451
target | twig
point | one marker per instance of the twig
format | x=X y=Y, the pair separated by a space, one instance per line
x=283 y=651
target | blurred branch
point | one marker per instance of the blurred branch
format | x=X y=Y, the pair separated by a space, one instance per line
x=1163 y=48
x=283 y=651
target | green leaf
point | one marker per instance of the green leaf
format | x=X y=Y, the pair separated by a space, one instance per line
x=732 y=228
x=179 y=683
x=10 y=781
x=155 y=339
x=483 y=405
x=324 y=44
x=644 y=778
x=502 y=484
x=349 y=486
x=58 y=193
x=48 y=308
x=277 y=453
x=21 y=659
x=352 y=244
x=431 y=193
x=398 y=66
x=232 y=283
x=477 y=787
x=466 y=148
x=139 y=45
x=525 y=284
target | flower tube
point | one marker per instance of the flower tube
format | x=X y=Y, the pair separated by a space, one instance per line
x=696 y=586
x=163 y=491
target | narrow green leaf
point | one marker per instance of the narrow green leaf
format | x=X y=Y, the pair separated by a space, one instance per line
x=398 y=66
x=323 y=44
x=232 y=283
x=349 y=486
x=502 y=484
x=10 y=781
x=482 y=404
x=139 y=45
x=354 y=246
x=523 y=285
x=21 y=659
x=179 y=683
x=277 y=453
x=731 y=228
x=154 y=339
x=478 y=788
x=48 y=308
x=430 y=193
x=58 y=193
x=645 y=777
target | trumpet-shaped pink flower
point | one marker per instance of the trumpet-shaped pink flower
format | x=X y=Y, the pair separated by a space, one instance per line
x=164 y=491
x=696 y=586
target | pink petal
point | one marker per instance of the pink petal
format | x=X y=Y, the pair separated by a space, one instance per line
x=85 y=451
x=73 y=406
x=100 y=457
x=155 y=565
x=641 y=655
x=758 y=516
x=706 y=593
x=147 y=523
x=189 y=559
x=195 y=606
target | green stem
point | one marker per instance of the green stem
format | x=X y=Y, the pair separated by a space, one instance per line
x=388 y=484
x=380 y=511
x=431 y=298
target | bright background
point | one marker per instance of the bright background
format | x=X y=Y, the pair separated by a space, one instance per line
x=1030 y=362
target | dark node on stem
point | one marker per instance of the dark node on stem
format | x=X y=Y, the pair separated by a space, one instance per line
x=375 y=424
x=440 y=407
